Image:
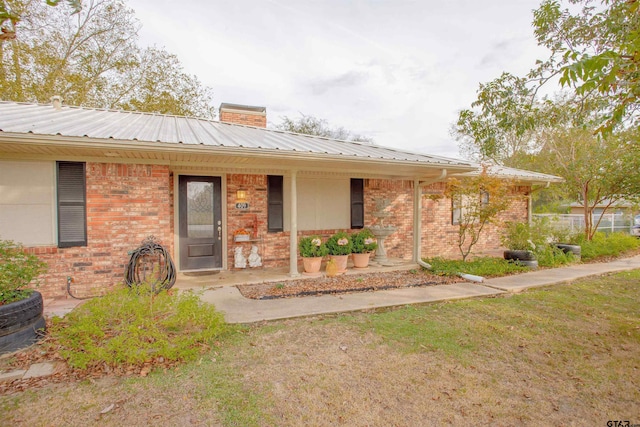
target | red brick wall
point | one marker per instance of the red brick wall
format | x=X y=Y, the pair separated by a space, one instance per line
x=440 y=237
x=258 y=120
x=125 y=204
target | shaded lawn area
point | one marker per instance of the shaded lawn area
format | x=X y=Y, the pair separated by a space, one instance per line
x=564 y=355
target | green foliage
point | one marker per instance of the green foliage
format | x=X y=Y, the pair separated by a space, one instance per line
x=594 y=50
x=126 y=327
x=517 y=236
x=479 y=200
x=17 y=270
x=92 y=58
x=607 y=245
x=312 y=246
x=551 y=256
x=364 y=241
x=485 y=267
x=340 y=244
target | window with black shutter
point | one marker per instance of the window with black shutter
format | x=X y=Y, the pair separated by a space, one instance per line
x=72 y=206
x=357 y=203
x=275 y=203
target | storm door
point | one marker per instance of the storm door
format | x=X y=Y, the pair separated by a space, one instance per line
x=200 y=217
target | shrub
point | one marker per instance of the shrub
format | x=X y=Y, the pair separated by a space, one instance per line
x=603 y=245
x=17 y=270
x=364 y=241
x=517 y=236
x=551 y=256
x=134 y=326
x=340 y=244
x=312 y=246
x=485 y=267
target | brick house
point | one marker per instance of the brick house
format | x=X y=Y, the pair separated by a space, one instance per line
x=81 y=187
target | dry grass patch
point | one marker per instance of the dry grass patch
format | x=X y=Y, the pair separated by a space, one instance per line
x=567 y=355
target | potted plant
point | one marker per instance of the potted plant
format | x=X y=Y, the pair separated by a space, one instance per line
x=312 y=250
x=364 y=243
x=340 y=247
x=517 y=239
x=21 y=309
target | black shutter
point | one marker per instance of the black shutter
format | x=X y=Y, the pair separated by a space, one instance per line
x=72 y=209
x=357 y=203
x=275 y=203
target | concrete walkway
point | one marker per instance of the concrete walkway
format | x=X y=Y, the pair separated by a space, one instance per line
x=238 y=309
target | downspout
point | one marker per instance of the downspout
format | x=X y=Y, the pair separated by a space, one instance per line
x=417 y=216
x=293 y=232
x=418 y=227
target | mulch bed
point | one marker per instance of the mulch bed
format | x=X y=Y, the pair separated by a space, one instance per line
x=344 y=283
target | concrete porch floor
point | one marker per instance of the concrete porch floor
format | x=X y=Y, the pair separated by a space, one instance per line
x=214 y=279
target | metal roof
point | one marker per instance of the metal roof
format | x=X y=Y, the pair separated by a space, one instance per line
x=516 y=174
x=69 y=121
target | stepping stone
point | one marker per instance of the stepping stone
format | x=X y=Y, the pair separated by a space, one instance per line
x=13 y=375
x=40 y=370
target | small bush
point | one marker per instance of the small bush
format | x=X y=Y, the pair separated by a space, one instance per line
x=607 y=245
x=130 y=328
x=312 y=246
x=364 y=241
x=17 y=270
x=340 y=244
x=551 y=256
x=485 y=267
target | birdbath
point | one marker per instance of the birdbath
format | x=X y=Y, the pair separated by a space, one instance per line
x=382 y=231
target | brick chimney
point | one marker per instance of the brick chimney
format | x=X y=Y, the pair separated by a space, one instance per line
x=243 y=115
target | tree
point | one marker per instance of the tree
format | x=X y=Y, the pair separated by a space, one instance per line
x=10 y=12
x=478 y=201
x=597 y=171
x=310 y=125
x=584 y=134
x=595 y=50
x=92 y=59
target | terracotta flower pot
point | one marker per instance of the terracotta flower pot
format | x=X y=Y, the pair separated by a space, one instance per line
x=312 y=264
x=341 y=262
x=361 y=260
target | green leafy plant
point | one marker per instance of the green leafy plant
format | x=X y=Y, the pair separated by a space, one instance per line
x=517 y=236
x=607 y=245
x=134 y=326
x=363 y=241
x=312 y=246
x=485 y=267
x=340 y=244
x=18 y=270
x=551 y=256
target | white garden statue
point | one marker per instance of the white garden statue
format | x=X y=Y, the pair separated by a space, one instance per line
x=254 y=259
x=239 y=260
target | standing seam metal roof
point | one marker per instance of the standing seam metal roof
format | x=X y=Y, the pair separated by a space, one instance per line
x=40 y=119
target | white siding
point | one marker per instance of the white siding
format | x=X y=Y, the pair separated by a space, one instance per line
x=27 y=202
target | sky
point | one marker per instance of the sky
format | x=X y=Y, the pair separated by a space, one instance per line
x=396 y=71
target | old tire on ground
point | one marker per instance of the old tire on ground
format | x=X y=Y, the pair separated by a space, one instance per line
x=20 y=314
x=576 y=250
x=519 y=255
x=532 y=264
x=24 y=337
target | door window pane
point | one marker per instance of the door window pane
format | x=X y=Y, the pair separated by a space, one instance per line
x=200 y=209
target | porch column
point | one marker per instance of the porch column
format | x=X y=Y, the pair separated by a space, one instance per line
x=293 y=237
x=417 y=220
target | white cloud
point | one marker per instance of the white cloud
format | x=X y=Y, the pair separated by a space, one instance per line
x=395 y=70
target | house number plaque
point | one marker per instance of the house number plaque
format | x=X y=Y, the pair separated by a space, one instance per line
x=242 y=206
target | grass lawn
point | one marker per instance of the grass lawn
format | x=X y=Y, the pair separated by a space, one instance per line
x=565 y=355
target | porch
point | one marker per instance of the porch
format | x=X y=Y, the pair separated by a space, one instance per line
x=212 y=279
